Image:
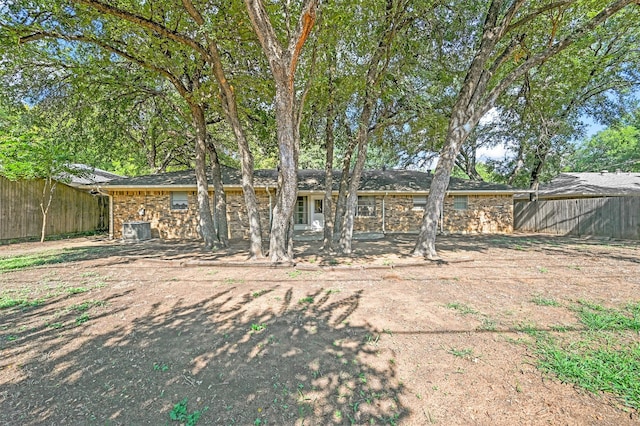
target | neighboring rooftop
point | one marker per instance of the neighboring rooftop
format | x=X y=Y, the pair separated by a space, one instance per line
x=88 y=175
x=314 y=180
x=592 y=185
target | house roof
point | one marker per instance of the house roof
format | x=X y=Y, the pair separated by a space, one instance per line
x=600 y=184
x=314 y=181
x=88 y=175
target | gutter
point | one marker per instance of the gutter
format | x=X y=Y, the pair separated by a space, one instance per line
x=383 y=213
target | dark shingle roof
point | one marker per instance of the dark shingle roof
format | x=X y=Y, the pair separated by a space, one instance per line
x=592 y=184
x=314 y=180
x=87 y=175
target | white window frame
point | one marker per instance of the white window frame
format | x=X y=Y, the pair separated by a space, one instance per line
x=460 y=202
x=419 y=202
x=366 y=206
x=179 y=201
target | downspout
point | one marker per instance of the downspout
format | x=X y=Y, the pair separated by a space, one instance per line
x=110 y=217
x=101 y=192
x=383 y=213
x=442 y=215
x=270 y=208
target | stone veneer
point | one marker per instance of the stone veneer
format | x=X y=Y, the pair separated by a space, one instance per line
x=485 y=214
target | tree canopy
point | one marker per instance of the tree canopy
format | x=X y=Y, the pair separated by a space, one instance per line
x=144 y=86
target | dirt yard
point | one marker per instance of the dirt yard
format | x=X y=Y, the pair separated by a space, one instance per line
x=160 y=333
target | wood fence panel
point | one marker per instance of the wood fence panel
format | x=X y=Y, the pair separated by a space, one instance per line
x=615 y=217
x=71 y=210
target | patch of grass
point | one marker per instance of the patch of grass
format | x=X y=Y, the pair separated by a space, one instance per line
x=601 y=358
x=461 y=353
x=542 y=270
x=179 y=413
x=531 y=329
x=259 y=293
x=596 y=317
x=488 y=325
x=304 y=300
x=258 y=327
x=82 y=319
x=76 y=290
x=294 y=274
x=11 y=263
x=613 y=370
x=544 y=301
x=461 y=308
x=160 y=367
x=10 y=302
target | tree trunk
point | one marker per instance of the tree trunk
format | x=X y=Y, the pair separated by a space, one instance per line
x=346 y=235
x=456 y=135
x=47 y=196
x=286 y=195
x=230 y=109
x=283 y=63
x=341 y=202
x=219 y=197
x=205 y=220
x=327 y=242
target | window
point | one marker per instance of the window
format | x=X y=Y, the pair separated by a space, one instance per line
x=179 y=201
x=366 y=206
x=460 y=202
x=301 y=215
x=419 y=202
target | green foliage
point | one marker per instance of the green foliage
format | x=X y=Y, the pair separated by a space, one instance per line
x=613 y=370
x=616 y=147
x=179 y=413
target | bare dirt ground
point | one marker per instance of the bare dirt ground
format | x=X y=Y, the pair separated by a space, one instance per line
x=124 y=332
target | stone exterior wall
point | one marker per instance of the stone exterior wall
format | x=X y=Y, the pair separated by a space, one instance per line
x=182 y=224
x=485 y=214
x=237 y=217
x=165 y=223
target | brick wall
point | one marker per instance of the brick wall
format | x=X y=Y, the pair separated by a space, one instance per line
x=182 y=224
x=485 y=214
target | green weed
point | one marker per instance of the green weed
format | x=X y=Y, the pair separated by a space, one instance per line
x=258 y=327
x=82 y=319
x=543 y=301
x=462 y=308
x=180 y=414
x=304 y=300
x=461 y=353
x=294 y=274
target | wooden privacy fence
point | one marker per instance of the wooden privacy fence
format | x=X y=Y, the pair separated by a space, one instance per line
x=71 y=210
x=615 y=217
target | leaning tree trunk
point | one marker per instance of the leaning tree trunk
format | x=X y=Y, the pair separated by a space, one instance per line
x=456 y=135
x=219 y=197
x=205 y=220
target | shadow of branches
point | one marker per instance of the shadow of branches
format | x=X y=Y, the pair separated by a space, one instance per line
x=235 y=359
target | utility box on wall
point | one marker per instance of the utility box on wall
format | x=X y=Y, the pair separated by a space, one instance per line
x=136 y=231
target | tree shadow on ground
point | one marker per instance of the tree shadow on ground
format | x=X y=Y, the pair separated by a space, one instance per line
x=236 y=360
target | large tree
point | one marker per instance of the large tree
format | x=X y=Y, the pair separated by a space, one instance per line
x=507 y=27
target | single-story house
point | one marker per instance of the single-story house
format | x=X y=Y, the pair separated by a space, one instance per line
x=604 y=204
x=388 y=201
